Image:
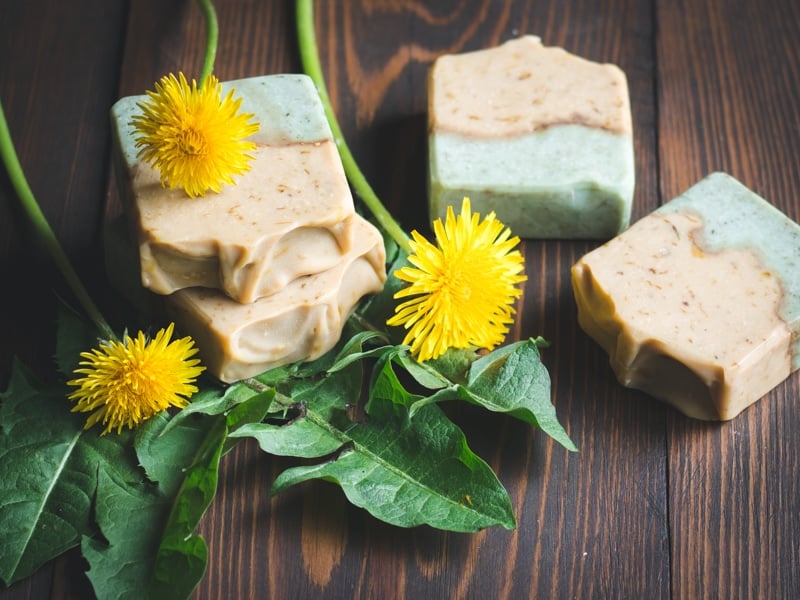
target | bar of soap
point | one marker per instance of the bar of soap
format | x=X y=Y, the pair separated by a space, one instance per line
x=289 y=216
x=300 y=322
x=698 y=304
x=540 y=136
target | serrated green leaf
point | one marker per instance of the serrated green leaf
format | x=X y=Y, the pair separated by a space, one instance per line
x=345 y=360
x=247 y=413
x=250 y=411
x=212 y=400
x=163 y=453
x=299 y=438
x=490 y=360
x=131 y=518
x=513 y=380
x=454 y=364
x=424 y=373
x=48 y=473
x=405 y=472
x=331 y=398
x=353 y=347
x=413 y=472
x=149 y=550
x=181 y=560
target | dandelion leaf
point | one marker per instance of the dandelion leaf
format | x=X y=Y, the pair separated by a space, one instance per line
x=182 y=556
x=48 y=473
x=404 y=471
x=514 y=380
x=147 y=547
x=511 y=380
x=131 y=520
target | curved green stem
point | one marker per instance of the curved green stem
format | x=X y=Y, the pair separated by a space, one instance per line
x=43 y=229
x=311 y=65
x=212 y=39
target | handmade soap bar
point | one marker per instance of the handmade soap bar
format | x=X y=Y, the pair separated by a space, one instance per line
x=288 y=216
x=698 y=304
x=300 y=322
x=538 y=135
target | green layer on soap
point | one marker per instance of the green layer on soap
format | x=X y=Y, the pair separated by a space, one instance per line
x=566 y=181
x=736 y=217
x=287 y=108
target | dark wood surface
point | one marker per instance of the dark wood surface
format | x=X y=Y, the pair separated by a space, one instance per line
x=654 y=505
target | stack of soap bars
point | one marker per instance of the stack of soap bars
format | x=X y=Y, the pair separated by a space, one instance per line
x=267 y=271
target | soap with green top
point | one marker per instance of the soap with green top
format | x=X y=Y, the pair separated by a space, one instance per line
x=698 y=303
x=265 y=271
x=290 y=215
x=540 y=136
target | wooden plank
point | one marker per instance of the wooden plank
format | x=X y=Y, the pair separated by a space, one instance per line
x=309 y=540
x=58 y=77
x=576 y=512
x=728 y=87
x=592 y=524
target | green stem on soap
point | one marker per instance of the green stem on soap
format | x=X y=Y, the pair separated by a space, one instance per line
x=212 y=39
x=311 y=65
x=43 y=229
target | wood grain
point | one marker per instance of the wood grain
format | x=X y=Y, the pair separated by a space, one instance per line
x=728 y=84
x=57 y=79
x=376 y=60
x=654 y=505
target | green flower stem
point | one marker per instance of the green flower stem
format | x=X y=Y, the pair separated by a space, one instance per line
x=43 y=229
x=212 y=39
x=311 y=65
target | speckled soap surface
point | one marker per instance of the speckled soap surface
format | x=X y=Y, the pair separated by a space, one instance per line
x=290 y=215
x=698 y=303
x=268 y=270
x=536 y=134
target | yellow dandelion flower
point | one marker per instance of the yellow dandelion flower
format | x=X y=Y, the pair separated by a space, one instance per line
x=126 y=383
x=192 y=136
x=463 y=288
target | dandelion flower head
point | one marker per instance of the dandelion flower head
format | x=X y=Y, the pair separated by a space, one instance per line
x=193 y=136
x=463 y=288
x=125 y=383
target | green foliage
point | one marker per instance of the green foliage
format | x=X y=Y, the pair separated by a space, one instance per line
x=147 y=548
x=406 y=472
x=363 y=416
x=402 y=459
x=48 y=474
x=181 y=559
x=510 y=380
x=131 y=501
x=131 y=520
x=381 y=470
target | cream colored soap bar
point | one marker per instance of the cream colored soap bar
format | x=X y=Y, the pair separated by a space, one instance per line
x=536 y=134
x=289 y=216
x=698 y=304
x=301 y=322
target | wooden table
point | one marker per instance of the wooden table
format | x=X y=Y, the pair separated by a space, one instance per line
x=654 y=505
